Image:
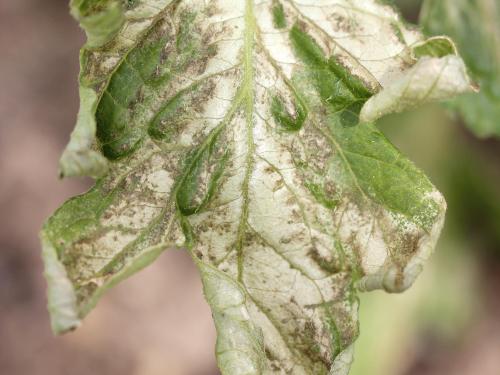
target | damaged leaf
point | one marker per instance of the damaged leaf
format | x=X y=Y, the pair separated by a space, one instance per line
x=232 y=129
x=430 y=79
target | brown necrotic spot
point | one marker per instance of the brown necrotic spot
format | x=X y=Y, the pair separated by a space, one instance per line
x=327 y=264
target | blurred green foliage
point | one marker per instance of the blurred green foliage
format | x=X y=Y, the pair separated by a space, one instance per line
x=475 y=26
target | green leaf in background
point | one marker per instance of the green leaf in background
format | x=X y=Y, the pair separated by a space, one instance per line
x=475 y=27
x=232 y=129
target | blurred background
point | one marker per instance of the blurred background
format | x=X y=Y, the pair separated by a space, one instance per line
x=157 y=321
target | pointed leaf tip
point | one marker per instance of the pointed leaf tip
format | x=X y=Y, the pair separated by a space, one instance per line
x=430 y=79
x=60 y=292
x=80 y=158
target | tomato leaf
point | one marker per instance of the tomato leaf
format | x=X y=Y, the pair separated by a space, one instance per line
x=233 y=129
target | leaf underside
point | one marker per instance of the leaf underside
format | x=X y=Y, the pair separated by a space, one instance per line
x=475 y=26
x=232 y=129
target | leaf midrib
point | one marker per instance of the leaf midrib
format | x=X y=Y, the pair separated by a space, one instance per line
x=248 y=89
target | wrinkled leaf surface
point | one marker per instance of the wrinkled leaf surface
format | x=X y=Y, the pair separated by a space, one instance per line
x=232 y=129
